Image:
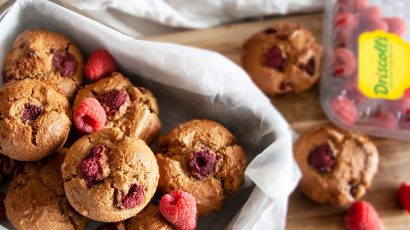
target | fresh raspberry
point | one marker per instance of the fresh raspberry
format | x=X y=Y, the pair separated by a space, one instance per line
x=179 y=208
x=31 y=112
x=321 y=158
x=404 y=195
x=344 y=63
x=346 y=28
x=203 y=163
x=65 y=63
x=310 y=67
x=375 y=25
x=133 y=198
x=351 y=90
x=362 y=216
x=345 y=109
x=400 y=106
x=89 y=116
x=354 y=5
x=112 y=100
x=2 y=207
x=274 y=58
x=383 y=119
x=370 y=14
x=346 y=19
x=100 y=64
x=97 y=151
x=396 y=25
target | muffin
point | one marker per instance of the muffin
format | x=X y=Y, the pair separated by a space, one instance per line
x=46 y=56
x=36 y=200
x=108 y=176
x=35 y=120
x=132 y=109
x=149 y=219
x=337 y=165
x=204 y=159
x=282 y=59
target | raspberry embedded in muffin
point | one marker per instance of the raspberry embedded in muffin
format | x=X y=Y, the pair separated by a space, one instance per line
x=133 y=198
x=204 y=163
x=321 y=158
x=31 y=112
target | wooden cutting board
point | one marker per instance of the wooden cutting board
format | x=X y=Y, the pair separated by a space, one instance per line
x=303 y=111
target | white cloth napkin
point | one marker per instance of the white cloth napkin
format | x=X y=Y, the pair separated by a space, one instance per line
x=136 y=18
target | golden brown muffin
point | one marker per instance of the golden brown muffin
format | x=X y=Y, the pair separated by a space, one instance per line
x=36 y=200
x=204 y=159
x=132 y=109
x=149 y=219
x=35 y=120
x=46 y=56
x=337 y=165
x=108 y=176
x=283 y=58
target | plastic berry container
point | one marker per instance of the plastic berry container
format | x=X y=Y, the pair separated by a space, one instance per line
x=365 y=83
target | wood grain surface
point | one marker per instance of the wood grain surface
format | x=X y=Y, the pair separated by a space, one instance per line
x=303 y=111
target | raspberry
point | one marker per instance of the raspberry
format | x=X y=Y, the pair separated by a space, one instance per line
x=346 y=28
x=2 y=207
x=89 y=116
x=113 y=100
x=31 y=112
x=100 y=64
x=396 y=25
x=376 y=25
x=362 y=216
x=404 y=195
x=65 y=63
x=179 y=208
x=134 y=197
x=399 y=106
x=384 y=119
x=203 y=163
x=274 y=58
x=370 y=14
x=321 y=158
x=90 y=167
x=344 y=63
x=354 y=5
x=352 y=91
x=345 y=109
x=309 y=67
x=346 y=19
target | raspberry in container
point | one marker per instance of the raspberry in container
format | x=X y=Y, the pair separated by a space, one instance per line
x=366 y=76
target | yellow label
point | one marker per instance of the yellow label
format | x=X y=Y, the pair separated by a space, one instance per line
x=384 y=65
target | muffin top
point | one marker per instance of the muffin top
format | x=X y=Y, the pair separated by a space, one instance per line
x=47 y=56
x=149 y=219
x=108 y=176
x=34 y=122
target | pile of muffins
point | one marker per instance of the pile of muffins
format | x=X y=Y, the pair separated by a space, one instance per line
x=109 y=174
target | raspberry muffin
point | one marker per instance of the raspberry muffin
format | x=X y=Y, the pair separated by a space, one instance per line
x=132 y=109
x=108 y=176
x=7 y=167
x=47 y=56
x=34 y=120
x=204 y=159
x=283 y=58
x=36 y=200
x=337 y=165
x=149 y=219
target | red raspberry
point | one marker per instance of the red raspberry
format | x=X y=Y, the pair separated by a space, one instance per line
x=383 y=119
x=275 y=59
x=375 y=25
x=354 y=5
x=370 y=14
x=113 y=100
x=90 y=167
x=179 y=208
x=89 y=116
x=31 y=112
x=321 y=158
x=100 y=64
x=396 y=25
x=351 y=90
x=65 y=63
x=362 y=216
x=2 y=207
x=203 y=163
x=404 y=195
x=345 y=109
x=344 y=63
x=133 y=198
